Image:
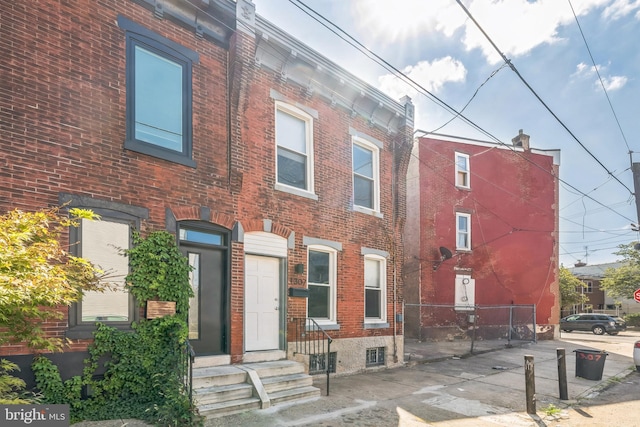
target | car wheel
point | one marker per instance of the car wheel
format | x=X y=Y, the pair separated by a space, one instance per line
x=598 y=330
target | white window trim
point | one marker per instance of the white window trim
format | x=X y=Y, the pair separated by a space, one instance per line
x=588 y=288
x=468 y=216
x=302 y=115
x=467 y=172
x=382 y=262
x=375 y=150
x=333 y=282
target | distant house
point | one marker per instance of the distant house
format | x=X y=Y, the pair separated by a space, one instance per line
x=276 y=170
x=482 y=230
x=597 y=299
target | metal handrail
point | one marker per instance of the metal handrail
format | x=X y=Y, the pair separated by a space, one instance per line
x=190 y=356
x=310 y=340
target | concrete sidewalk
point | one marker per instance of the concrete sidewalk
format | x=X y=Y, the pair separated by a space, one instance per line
x=439 y=388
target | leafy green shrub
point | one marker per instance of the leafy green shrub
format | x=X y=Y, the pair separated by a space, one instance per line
x=37 y=275
x=11 y=388
x=632 y=319
x=144 y=368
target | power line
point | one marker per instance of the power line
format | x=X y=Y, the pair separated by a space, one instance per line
x=430 y=95
x=515 y=70
x=372 y=55
x=328 y=24
x=595 y=67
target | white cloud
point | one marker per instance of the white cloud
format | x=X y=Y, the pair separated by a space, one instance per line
x=614 y=82
x=610 y=83
x=398 y=20
x=621 y=8
x=515 y=26
x=430 y=75
x=582 y=68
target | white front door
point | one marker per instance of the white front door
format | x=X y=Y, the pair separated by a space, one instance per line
x=262 y=303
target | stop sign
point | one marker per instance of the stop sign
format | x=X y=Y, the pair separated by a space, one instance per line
x=636 y=295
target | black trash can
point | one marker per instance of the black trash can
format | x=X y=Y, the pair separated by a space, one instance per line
x=590 y=363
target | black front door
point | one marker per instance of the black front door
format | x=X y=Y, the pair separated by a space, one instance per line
x=206 y=252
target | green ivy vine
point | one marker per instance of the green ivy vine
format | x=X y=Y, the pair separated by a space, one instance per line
x=159 y=271
x=144 y=369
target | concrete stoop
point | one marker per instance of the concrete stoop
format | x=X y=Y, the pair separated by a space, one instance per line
x=223 y=390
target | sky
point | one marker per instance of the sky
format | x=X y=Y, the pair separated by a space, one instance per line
x=575 y=87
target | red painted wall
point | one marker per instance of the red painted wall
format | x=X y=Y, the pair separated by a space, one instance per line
x=513 y=202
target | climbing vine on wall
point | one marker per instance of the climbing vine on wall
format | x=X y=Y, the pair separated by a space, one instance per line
x=144 y=368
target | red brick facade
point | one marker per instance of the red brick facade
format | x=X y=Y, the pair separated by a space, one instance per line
x=63 y=116
x=512 y=200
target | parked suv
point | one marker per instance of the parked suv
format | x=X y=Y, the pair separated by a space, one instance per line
x=597 y=323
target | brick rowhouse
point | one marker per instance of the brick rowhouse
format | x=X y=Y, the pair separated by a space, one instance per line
x=68 y=138
x=509 y=194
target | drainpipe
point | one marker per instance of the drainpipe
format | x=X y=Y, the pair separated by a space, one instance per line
x=393 y=225
x=229 y=119
x=408 y=118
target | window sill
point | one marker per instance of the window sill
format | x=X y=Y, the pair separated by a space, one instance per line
x=326 y=326
x=367 y=211
x=375 y=325
x=86 y=331
x=296 y=191
x=160 y=153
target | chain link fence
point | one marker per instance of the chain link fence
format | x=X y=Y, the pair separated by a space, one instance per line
x=471 y=327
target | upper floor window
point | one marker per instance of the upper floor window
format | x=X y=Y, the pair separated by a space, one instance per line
x=321 y=281
x=294 y=146
x=366 y=170
x=463 y=231
x=375 y=279
x=159 y=92
x=588 y=287
x=462 y=170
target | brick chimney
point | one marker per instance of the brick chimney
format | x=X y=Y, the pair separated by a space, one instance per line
x=522 y=140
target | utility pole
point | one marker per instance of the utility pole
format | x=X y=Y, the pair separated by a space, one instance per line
x=635 y=169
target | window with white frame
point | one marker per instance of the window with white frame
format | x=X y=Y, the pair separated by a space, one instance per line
x=294 y=146
x=463 y=231
x=366 y=172
x=462 y=170
x=589 y=287
x=375 y=284
x=321 y=281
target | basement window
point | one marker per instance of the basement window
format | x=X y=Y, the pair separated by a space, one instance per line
x=318 y=363
x=375 y=356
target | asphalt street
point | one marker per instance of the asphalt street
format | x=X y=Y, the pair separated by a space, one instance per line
x=486 y=389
